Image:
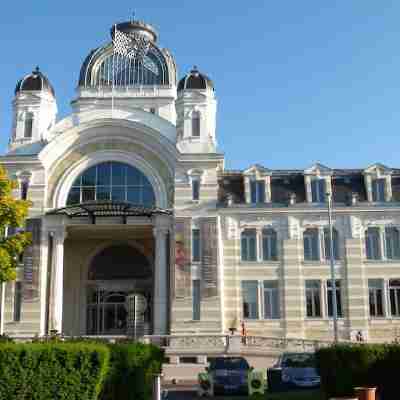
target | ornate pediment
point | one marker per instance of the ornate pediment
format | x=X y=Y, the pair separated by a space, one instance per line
x=318 y=169
x=257 y=169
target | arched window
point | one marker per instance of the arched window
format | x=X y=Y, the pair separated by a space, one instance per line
x=269 y=245
x=112 y=181
x=392 y=239
x=311 y=244
x=28 y=125
x=249 y=245
x=327 y=244
x=373 y=243
x=196 y=124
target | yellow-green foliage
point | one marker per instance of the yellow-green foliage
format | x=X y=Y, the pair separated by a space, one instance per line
x=12 y=214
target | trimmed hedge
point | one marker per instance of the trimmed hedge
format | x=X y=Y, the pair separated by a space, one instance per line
x=44 y=371
x=344 y=367
x=132 y=370
x=78 y=369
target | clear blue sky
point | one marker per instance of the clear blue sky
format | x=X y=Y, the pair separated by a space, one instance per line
x=297 y=81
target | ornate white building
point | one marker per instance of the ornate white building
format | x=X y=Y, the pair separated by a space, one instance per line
x=138 y=227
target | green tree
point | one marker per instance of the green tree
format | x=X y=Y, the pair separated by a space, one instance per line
x=12 y=214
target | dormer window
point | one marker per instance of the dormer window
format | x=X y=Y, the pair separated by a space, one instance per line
x=28 y=126
x=318 y=190
x=196 y=124
x=378 y=189
x=257 y=191
x=378 y=183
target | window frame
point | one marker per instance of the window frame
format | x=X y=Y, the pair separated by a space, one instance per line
x=17 y=301
x=196 y=245
x=196 y=299
x=394 y=243
x=247 y=238
x=270 y=236
x=257 y=305
x=195 y=184
x=28 y=124
x=196 y=124
x=318 y=190
x=336 y=244
x=339 y=302
x=370 y=246
x=373 y=291
x=378 y=190
x=135 y=185
x=310 y=247
x=396 y=290
x=272 y=291
x=313 y=292
x=257 y=191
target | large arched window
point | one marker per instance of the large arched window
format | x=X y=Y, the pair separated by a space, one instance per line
x=113 y=181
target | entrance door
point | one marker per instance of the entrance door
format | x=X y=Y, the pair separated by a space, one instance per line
x=119 y=283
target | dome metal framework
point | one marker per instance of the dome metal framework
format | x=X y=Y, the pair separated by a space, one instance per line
x=103 y=67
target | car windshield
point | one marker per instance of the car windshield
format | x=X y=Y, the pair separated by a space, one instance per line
x=229 y=363
x=298 y=360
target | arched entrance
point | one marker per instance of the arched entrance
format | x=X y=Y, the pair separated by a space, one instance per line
x=119 y=292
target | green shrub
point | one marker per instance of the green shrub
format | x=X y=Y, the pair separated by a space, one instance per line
x=132 y=368
x=344 y=367
x=51 y=371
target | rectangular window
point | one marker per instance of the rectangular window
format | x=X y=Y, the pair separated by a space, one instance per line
x=271 y=300
x=392 y=241
x=28 y=126
x=24 y=190
x=249 y=245
x=196 y=245
x=196 y=124
x=375 y=290
x=313 y=299
x=196 y=299
x=330 y=298
x=311 y=245
x=17 y=301
x=378 y=190
x=373 y=244
x=257 y=191
x=318 y=190
x=250 y=299
x=327 y=244
x=394 y=294
x=269 y=245
x=195 y=189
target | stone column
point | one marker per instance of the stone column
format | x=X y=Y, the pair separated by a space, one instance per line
x=57 y=281
x=161 y=282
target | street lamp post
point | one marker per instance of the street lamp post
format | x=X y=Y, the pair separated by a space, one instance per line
x=333 y=278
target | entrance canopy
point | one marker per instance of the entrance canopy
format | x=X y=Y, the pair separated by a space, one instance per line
x=102 y=209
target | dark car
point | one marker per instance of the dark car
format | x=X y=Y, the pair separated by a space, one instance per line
x=293 y=370
x=229 y=375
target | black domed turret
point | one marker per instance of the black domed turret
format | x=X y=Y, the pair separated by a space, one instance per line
x=35 y=81
x=195 y=80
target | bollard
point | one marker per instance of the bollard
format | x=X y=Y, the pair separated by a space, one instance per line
x=156 y=387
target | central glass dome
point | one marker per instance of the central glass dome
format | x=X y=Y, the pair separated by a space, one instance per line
x=112 y=181
x=104 y=67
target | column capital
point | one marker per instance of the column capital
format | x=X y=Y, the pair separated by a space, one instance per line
x=162 y=224
x=59 y=234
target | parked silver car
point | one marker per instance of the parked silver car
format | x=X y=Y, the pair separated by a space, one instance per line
x=294 y=370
